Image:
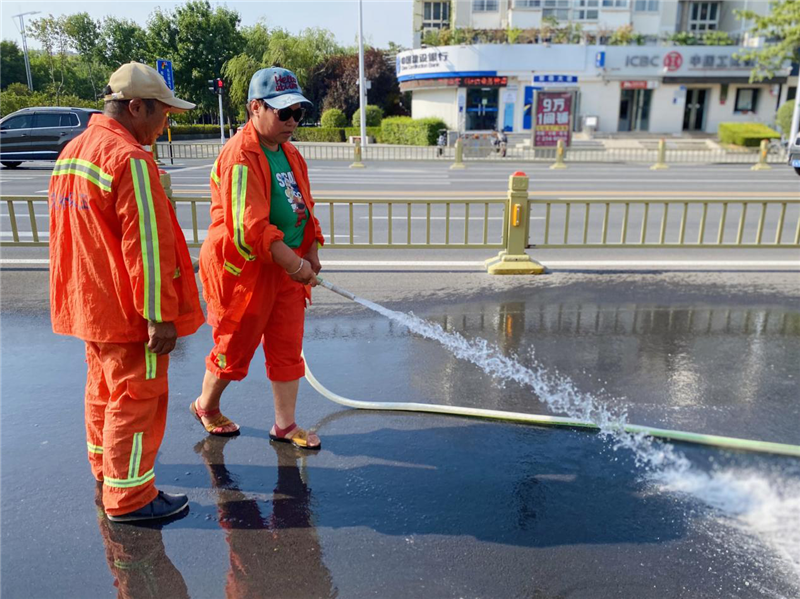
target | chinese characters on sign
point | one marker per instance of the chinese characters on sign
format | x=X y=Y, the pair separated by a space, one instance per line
x=420 y=60
x=673 y=61
x=552 y=118
x=454 y=82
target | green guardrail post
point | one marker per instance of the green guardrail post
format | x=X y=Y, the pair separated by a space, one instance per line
x=559 y=155
x=661 y=163
x=762 y=165
x=459 y=163
x=357 y=163
x=513 y=260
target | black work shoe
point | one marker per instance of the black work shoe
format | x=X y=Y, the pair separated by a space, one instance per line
x=163 y=506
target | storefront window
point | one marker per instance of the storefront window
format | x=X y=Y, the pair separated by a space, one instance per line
x=485 y=5
x=615 y=3
x=527 y=3
x=703 y=16
x=746 y=99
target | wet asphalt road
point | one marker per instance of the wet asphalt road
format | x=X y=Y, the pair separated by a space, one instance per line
x=407 y=505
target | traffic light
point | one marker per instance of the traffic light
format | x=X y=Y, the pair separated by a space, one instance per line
x=215 y=86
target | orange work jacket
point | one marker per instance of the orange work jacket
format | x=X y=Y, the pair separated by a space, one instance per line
x=118 y=257
x=240 y=234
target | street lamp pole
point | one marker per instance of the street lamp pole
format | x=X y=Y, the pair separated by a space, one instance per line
x=362 y=86
x=25 y=45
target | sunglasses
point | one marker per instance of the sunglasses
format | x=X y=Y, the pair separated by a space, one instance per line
x=284 y=114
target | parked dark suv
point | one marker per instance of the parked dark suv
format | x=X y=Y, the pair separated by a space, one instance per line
x=40 y=133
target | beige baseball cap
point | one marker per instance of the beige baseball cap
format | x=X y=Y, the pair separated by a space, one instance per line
x=137 y=80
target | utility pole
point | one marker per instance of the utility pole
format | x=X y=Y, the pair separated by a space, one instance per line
x=221 y=119
x=362 y=86
x=25 y=45
x=795 y=117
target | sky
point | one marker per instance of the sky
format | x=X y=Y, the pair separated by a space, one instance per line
x=384 y=20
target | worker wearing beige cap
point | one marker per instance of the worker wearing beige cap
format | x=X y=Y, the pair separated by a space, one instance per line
x=121 y=279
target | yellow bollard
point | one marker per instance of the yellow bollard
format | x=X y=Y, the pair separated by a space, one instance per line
x=459 y=163
x=513 y=260
x=357 y=153
x=661 y=163
x=762 y=165
x=559 y=155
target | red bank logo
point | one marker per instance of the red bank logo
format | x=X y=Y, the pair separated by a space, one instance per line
x=673 y=61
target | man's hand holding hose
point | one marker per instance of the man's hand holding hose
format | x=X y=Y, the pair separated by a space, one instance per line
x=299 y=269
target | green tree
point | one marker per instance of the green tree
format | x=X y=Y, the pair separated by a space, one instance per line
x=198 y=40
x=84 y=36
x=51 y=33
x=123 y=41
x=782 y=27
x=12 y=64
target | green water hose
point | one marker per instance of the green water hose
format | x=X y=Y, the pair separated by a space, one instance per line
x=698 y=438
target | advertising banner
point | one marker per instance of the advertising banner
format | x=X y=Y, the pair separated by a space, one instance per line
x=553 y=110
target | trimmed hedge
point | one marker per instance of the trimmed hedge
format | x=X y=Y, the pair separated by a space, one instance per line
x=198 y=130
x=745 y=134
x=374 y=116
x=333 y=118
x=324 y=134
x=403 y=130
x=356 y=132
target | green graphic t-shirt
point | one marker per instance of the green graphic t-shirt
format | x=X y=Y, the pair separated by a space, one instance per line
x=287 y=209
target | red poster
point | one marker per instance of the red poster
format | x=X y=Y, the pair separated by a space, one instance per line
x=552 y=118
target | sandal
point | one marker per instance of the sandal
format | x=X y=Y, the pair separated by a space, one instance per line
x=217 y=424
x=295 y=435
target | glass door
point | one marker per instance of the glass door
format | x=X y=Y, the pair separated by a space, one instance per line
x=634 y=110
x=694 y=114
x=482 y=107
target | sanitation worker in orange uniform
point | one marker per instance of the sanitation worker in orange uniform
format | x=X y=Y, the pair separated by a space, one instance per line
x=260 y=257
x=121 y=279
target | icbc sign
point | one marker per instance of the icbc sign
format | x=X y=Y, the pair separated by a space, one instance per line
x=673 y=61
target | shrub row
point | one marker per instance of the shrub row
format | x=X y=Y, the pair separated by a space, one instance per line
x=403 y=130
x=13 y=102
x=319 y=134
x=745 y=134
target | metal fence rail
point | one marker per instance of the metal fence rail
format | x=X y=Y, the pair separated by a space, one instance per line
x=482 y=152
x=484 y=223
x=721 y=223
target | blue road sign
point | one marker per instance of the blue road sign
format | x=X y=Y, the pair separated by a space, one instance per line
x=164 y=67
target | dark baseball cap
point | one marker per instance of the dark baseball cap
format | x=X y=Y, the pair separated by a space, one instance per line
x=277 y=87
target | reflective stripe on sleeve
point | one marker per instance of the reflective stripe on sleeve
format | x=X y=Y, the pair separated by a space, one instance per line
x=148 y=231
x=94 y=448
x=83 y=168
x=214 y=175
x=238 y=199
x=150 y=363
x=232 y=269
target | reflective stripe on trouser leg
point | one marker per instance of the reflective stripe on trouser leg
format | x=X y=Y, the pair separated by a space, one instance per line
x=95 y=400
x=135 y=478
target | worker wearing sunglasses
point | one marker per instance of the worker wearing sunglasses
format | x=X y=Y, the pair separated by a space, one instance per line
x=260 y=258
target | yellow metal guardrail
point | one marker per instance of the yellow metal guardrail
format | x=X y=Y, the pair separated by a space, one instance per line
x=483 y=152
x=721 y=223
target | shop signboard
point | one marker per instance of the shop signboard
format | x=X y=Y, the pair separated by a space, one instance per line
x=553 y=112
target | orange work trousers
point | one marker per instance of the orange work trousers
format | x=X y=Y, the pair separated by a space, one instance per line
x=275 y=317
x=126 y=413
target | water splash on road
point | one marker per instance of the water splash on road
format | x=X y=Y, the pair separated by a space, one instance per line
x=759 y=503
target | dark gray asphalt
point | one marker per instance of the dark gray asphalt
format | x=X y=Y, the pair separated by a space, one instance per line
x=404 y=505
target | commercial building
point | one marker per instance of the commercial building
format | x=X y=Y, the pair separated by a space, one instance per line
x=650 y=87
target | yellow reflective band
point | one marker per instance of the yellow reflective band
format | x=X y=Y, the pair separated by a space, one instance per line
x=148 y=231
x=83 y=168
x=177 y=273
x=150 y=363
x=134 y=479
x=221 y=361
x=126 y=483
x=136 y=456
x=238 y=200
x=232 y=269
x=94 y=448
x=214 y=175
